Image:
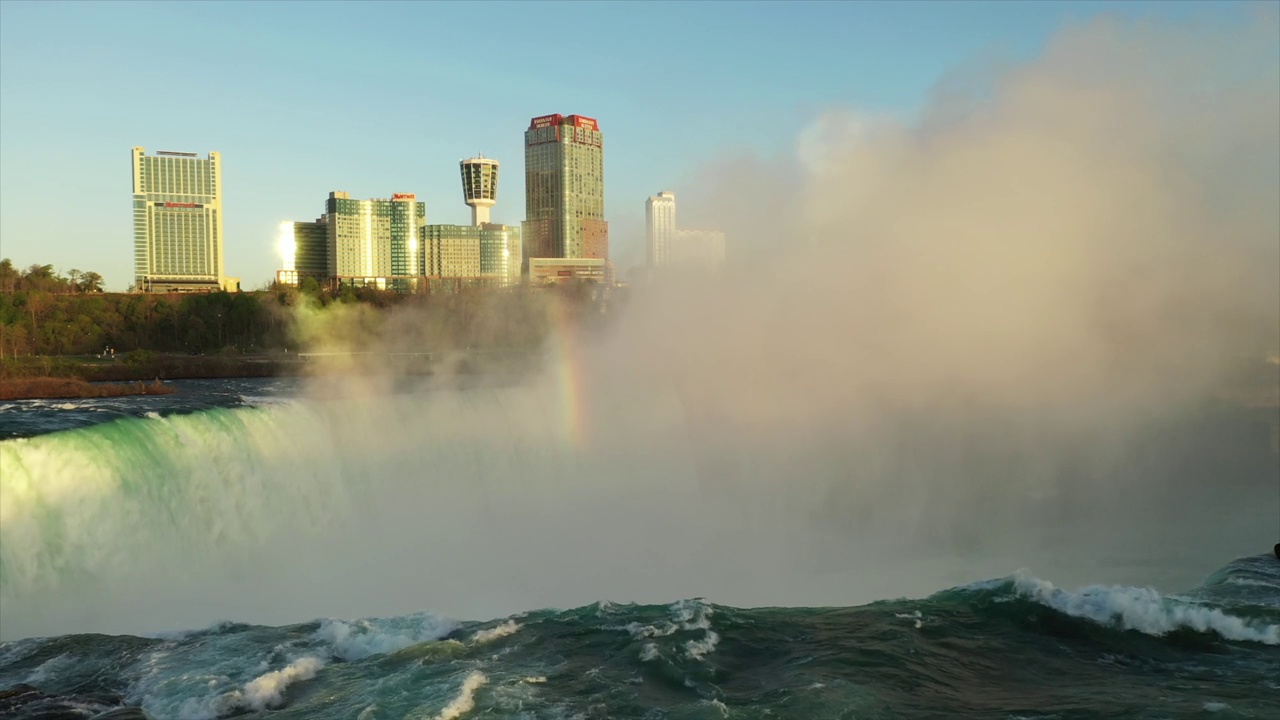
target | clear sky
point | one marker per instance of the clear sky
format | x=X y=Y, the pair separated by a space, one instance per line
x=374 y=98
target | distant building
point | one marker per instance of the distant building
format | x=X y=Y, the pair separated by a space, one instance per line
x=482 y=253
x=698 y=249
x=671 y=248
x=304 y=249
x=177 y=222
x=660 y=226
x=550 y=270
x=311 y=240
x=479 y=186
x=375 y=243
x=564 y=189
x=486 y=254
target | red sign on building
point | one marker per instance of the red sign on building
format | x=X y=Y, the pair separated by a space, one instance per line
x=583 y=121
x=185 y=205
x=545 y=121
x=404 y=196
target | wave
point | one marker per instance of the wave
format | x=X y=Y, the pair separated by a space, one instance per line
x=358 y=639
x=500 y=631
x=1143 y=610
x=957 y=652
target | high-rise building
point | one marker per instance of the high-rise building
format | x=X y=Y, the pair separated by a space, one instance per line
x=311 y=242
x=564 y=189
x=375 y=242
x=177 y=222
x=486 y=254
x=672 y=248
x=304 y=251
x=660 y=226
x=479 y=186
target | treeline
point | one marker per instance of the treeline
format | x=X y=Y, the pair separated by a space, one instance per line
x=35 y=322
x=41 y=315
x=42 y=278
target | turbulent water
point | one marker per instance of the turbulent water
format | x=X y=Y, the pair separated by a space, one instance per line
x=245 y=501
x=1014 y=647
x=26 y=418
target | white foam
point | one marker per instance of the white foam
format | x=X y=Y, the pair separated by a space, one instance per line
x=648 y=652
x=639 y=631
x=358 y=639
x=267 y=691
x=265 y=400
x=1142 y=609
x=535 y=680
x=507 y=628
x=1214 y=707
x=724 y=709
x=261 y=693
x=697 y=649
x=465 y=700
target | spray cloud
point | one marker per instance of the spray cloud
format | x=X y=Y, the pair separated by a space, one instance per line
x=944 y=349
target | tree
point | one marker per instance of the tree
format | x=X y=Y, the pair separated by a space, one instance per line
x=38 y=277
x=73 y=275
x=91 y=282
x=9 y=276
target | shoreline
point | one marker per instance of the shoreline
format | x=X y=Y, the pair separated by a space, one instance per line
x=57 y=388
x=201 y=367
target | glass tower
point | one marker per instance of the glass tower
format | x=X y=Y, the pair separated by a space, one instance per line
x=486 y=254
x=375 y=242
x=311 y=242
x=564 y=188
x=177 y=221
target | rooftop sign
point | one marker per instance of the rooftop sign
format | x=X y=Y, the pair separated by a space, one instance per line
x=545 y=121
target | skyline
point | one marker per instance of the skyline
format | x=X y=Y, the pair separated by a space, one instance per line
x=735 y=80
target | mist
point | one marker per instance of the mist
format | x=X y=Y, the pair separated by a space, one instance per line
x=1027 y=300
x=1001 y=334
x=1010 y=332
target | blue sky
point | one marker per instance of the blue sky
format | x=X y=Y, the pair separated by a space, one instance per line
x=374 y=98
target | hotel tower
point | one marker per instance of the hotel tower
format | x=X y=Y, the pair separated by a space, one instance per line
x=564 y=198
x=177 y=222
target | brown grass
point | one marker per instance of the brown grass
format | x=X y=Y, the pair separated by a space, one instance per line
x=49 y=388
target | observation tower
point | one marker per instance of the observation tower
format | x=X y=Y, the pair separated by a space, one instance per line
x=480 y=186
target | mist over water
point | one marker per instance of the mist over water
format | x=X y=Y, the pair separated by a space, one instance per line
x=943 y=350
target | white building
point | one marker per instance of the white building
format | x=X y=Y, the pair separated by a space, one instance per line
x=671 y=247
x=177 y=222
x=660 y=227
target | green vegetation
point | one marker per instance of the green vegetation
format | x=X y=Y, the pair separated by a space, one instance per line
x=45 y=317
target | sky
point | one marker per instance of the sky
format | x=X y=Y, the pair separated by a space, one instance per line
x=377 y=98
